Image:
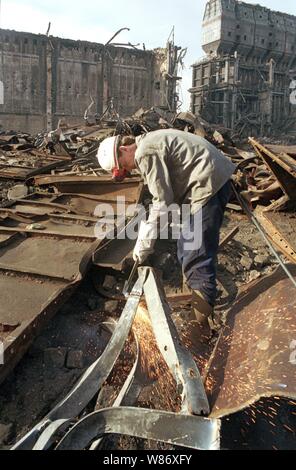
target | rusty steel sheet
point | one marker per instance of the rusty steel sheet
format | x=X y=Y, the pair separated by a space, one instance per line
x=37 y=275
x=253 y=358
x=76 y=203
x=68 y=215
x=46 y=247
x=95 y=185
x=22 y=165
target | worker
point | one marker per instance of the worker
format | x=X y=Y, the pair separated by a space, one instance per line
x=180 y=168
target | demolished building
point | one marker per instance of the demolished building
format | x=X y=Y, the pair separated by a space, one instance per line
x=44 y=79
x=246 y=80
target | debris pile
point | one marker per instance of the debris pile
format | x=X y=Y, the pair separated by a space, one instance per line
x=50 y=187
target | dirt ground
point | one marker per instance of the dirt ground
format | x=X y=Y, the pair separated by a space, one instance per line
x=44 y=376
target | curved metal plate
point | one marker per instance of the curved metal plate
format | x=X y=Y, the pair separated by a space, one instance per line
x=177 y=429
x=254 y=355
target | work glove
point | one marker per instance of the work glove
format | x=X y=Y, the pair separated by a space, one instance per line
x=146 y=241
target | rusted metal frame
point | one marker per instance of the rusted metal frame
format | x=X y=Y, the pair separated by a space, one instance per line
x=66 y=208
x=262 y=152
x=53 y=216
x=277 y=237
x=276 y=157
x=59 y=158
x=136 y=183
x=181 y=430
x=26 y=201
x=93 y=379
x=31 y=173
x=69 y=208
x=10 y=176
x=179 y=298
x=91 y=197
x=45 y=156
x=40 y=195
x=178 y=359
x=48 y=233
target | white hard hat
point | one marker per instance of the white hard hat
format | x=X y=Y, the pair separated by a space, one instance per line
x=107 y=153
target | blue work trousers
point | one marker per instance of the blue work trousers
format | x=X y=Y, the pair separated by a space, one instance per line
x=199 y=262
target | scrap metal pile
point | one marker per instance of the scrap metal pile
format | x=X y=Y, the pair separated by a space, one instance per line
x=51 y=188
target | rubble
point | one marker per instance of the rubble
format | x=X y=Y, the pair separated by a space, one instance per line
x=75 y=360
x=246 y=262
x=111 y=306
x=6 y=431
x=262 y=260
x=17 y=192
x=55 y=357
x=109 y=282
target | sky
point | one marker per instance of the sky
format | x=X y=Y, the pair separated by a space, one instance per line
x=150 y=22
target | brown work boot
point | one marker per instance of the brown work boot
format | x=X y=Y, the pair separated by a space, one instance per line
x=200 y=331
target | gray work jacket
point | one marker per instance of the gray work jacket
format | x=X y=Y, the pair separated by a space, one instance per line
x=181 y=168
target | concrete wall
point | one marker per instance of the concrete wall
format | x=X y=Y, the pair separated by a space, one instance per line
x=45 y=79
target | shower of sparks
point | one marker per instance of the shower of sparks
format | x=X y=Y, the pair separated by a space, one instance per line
x=153 y=364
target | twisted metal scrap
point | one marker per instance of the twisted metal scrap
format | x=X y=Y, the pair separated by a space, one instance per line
x=183 y=429
x=93 y=379
x=177 y=429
